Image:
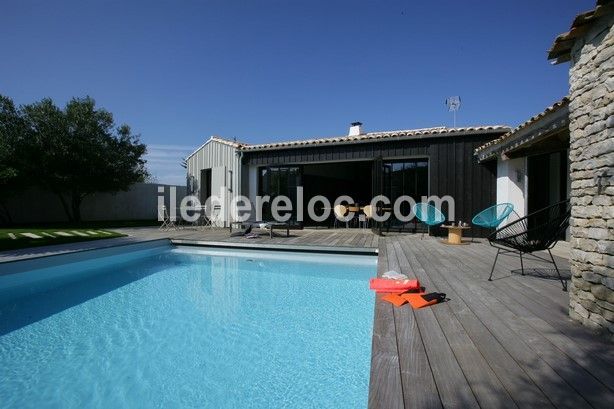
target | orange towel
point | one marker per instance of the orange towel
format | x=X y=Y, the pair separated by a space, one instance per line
x=384 y=285
x=417 y=300
x=395 y=299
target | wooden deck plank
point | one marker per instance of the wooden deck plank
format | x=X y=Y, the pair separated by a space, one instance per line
x=587 y=355
x=419 y=387
x=385 y=387
x=541 y=309
x=548 y=289
x=578 y=363
x=350 y=237
x=525 y=392
x=588 y=386
x=486 y=387
x=452 y=386
x=557 y=389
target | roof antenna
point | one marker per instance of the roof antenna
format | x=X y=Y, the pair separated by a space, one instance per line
x=453 y=104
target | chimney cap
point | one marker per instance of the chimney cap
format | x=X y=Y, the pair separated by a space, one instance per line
x=356 y=123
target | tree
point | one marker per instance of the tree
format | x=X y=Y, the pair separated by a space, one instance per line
x=78 y=151
x=12 y=130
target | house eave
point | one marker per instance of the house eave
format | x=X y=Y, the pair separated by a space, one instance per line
x=540 y=129
x=560 y=51
x=377 y=137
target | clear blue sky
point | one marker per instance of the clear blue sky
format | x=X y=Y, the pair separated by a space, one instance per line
x=180 y=71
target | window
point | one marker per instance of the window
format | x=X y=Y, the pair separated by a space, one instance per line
x=407 y=177
x=279 y=181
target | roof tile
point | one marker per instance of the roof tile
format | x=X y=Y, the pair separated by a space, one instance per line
x=552 y=108
x=376 y=136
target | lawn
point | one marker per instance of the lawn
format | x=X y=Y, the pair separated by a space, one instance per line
x=18 y=238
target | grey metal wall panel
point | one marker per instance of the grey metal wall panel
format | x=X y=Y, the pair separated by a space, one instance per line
x=216 y=155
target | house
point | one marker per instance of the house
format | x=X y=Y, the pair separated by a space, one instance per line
x=215 y=167
x=415 y=162
x=532 y=160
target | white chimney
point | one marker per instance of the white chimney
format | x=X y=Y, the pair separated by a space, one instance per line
x=355 y=129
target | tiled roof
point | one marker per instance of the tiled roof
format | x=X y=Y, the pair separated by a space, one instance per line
x=377 y=136
x=562 y=103
x=214 y=138
x=561 y=48
x=228 y=142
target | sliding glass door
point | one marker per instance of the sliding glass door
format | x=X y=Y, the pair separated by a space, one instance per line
x=405 y=177
x=279 y=181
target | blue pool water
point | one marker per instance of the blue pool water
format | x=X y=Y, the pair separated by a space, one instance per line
x=186 y=327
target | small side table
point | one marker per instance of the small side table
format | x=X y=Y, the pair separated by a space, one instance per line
x=235 y=223
x=279 y=225
x=455 y=234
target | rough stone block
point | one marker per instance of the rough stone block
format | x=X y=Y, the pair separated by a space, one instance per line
x=602 y=200
x=582 y=284
x=575 y=316
x=600 y=292
x=595 y=322
x=587 y=257
x=591 y=306
x=605 y=247
x=598 y=233
x=592 y=277
x=585 y=295
x=606 y=306
x=581 y=311
x=599 y=321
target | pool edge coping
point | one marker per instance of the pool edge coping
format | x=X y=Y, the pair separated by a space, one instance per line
x=110 y=247
x=37 y=259
x=357 y=251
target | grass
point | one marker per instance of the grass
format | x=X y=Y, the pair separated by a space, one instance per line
x=88 y=225
x=49 y=236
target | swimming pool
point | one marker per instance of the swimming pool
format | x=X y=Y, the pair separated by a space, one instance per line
x=188 y=327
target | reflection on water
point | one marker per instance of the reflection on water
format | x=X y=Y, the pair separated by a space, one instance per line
x=216 y=290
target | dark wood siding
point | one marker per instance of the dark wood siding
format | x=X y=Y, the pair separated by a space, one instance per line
x=453 y=169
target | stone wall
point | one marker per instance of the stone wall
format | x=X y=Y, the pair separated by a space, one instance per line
x=592 y=177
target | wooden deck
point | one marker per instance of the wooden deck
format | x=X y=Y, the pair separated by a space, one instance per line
x=505 y=343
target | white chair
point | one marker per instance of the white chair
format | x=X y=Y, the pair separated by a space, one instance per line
x=216 y=216
x=340 y=212
x=204 y=220
x=366 y=216
x=167 y=222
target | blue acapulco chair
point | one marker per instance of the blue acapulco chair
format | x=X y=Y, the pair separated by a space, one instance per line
x=493 y=216
x=428 y=214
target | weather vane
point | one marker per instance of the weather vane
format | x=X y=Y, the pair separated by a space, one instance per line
x=453 y=104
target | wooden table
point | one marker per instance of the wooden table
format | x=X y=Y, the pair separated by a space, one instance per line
x=455 y=234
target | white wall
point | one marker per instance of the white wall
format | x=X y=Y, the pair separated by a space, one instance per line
x=511 y=184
